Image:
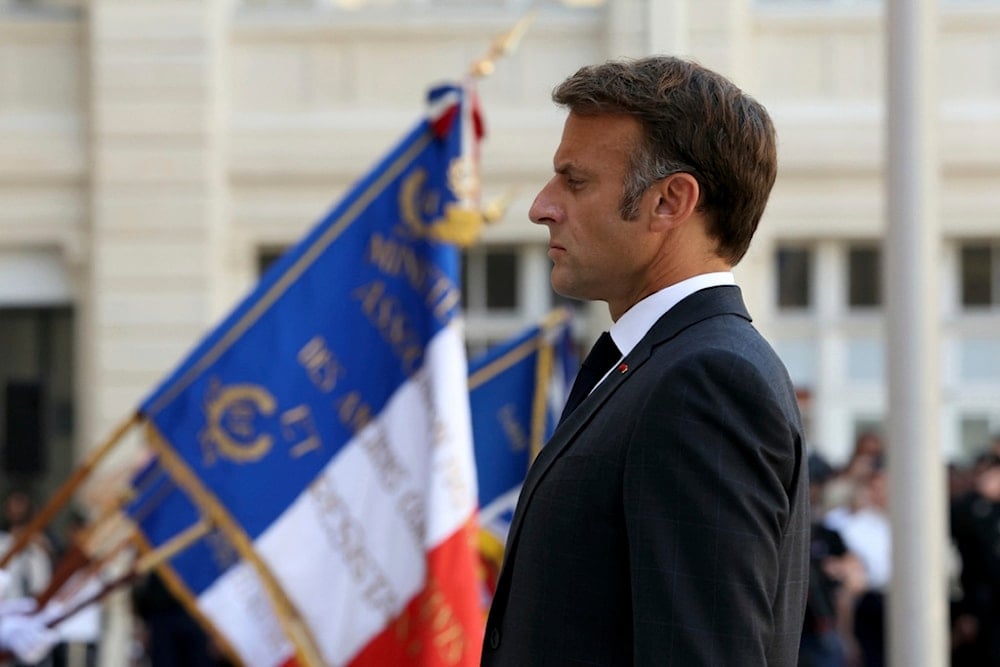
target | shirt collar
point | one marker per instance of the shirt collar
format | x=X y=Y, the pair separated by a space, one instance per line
x=640 y=318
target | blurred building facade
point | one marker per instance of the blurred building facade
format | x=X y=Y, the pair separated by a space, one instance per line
x=155 y=155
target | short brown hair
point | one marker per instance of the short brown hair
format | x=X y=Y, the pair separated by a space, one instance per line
x=695 y=121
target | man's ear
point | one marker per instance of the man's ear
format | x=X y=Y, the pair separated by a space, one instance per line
x=676 y=198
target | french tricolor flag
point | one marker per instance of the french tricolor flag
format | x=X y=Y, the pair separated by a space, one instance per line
x=323 y=430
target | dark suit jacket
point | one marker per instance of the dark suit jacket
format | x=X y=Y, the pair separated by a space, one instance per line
x=666 y=522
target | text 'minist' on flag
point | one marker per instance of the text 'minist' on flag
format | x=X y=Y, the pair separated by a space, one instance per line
x=517 y=391
x=324 y=426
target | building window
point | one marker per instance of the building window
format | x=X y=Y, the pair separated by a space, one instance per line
x=828 y=331
x=865 y=358
x=267 y=256
x=794 y=277
x=864 y=277
x=979 y=358
x=490 y=276
x=36 y=398
x=977 y=434
x=505 y=288
x=980 y=267
x=501 y=279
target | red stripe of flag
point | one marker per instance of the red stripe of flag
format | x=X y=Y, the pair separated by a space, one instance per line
x=442 y=626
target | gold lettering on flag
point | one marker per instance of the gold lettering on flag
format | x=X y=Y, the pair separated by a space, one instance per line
x=438 y=429
x=517 y=435
x=390 y=472
x=320 y=363
x=431 y=612
x=346 y=534
x=394 y=259
x=393 y=477
x=297 y=426
x=251 y=595
x=353 y=412
x=386 y=313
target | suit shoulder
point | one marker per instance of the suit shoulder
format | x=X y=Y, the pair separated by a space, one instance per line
x=726 y=336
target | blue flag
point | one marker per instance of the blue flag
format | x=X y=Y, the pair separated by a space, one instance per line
x=161 y=511
x=323 y=427
x=516 y=392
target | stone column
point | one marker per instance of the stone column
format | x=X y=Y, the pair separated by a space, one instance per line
x=157 y=211
x=158 y=196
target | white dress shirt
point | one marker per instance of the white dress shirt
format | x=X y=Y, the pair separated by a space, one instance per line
x=640 y=318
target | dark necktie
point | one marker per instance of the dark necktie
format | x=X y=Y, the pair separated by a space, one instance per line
x=600 y=359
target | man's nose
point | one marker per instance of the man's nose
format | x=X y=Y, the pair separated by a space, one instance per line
x=544 y=210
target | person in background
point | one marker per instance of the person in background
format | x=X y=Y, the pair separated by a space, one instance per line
x=18 y=511
x=23 y=632
x=975 y=528
x=172 y=637
x=841 y=490
x=30 y=570
x=80 y=633
x=867 y=532
x=836 y=579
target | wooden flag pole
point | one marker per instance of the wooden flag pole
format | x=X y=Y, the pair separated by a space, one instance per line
x=143 y=565
x=543 y=373
x=66 y=491
x=173 y=546
x=83 y=552
x=292 y=623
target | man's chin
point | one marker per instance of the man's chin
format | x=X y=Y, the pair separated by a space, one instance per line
x=566 y=290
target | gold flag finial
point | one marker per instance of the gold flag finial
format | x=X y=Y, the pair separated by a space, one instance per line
x=501 y=46
x=496 y=209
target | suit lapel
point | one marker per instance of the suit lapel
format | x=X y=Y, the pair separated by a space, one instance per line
x=695 y=308
x=566 y=433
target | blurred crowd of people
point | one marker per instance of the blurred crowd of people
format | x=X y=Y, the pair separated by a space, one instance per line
x=73 y=643
x=165 y=634
x=851 y=561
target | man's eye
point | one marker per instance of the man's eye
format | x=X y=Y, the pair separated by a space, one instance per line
x=574 y=183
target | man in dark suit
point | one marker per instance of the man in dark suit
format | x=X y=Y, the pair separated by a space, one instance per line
x=666 y=522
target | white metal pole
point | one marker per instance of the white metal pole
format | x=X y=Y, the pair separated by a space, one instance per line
x=917 y=617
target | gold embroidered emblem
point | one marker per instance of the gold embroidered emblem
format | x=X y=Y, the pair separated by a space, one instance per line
x=232 y=430
x=460 y=224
